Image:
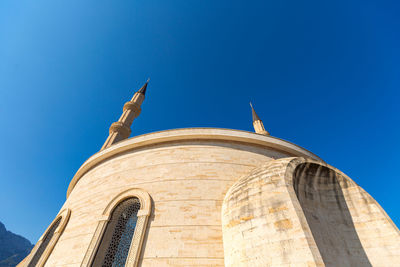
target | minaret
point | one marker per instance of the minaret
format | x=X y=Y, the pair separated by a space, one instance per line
x=257 y=123
x=121 y=129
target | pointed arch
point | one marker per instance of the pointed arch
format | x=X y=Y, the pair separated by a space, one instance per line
x=43 y=248
x=317 y=206
x=124 y=218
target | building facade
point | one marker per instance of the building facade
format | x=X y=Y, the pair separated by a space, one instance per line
x=213 y=197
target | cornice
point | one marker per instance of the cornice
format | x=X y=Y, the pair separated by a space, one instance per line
x=190 y=134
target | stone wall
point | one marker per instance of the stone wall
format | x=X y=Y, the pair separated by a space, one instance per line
x=300 y=212
x=187 y=182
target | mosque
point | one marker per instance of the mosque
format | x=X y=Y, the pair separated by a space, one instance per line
x=213 y=197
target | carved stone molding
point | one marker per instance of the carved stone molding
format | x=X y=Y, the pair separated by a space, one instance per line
x=121 y=128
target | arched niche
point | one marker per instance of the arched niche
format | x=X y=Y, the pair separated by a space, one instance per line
x=299 y=211
x=320 y=192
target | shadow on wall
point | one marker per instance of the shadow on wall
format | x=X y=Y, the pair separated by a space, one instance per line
x=319 y=191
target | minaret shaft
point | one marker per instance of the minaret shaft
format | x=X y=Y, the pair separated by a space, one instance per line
x=257 y=123
x=121 y=129
x=259 y=127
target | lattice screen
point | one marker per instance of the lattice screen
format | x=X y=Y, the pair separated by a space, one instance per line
x=116 y=241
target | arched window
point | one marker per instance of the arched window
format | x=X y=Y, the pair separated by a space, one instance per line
x=43 y=245
x=41 y=251
x=118 y=235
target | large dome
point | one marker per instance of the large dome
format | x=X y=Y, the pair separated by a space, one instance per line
x=186 y=172
x=156 y=200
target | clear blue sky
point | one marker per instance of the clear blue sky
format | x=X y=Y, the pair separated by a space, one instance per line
x=322 y=74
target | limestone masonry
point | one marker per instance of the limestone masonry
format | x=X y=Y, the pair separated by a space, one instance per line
x=213 y=197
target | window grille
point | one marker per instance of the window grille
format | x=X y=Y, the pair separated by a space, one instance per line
x=116 y=241
x=44 y=244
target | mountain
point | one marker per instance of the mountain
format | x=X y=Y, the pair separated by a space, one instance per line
x=13 y=248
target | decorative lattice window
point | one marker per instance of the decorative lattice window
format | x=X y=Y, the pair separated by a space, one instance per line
x=116 y=241
x=46 y=240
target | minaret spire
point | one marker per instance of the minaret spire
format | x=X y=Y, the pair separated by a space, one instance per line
x=144 y=87
x=121 y=129
x=257 y=123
